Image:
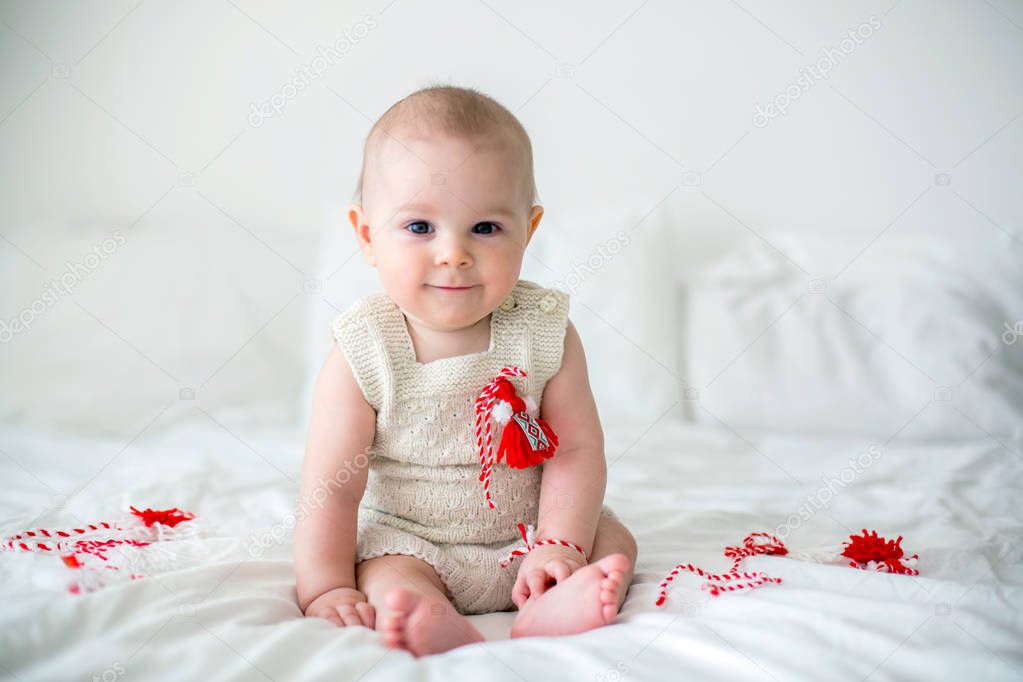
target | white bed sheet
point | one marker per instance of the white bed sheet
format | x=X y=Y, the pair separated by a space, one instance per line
x=685 y=492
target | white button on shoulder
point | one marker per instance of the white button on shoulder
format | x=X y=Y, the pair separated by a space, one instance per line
x=509 y=304
x=548 y=303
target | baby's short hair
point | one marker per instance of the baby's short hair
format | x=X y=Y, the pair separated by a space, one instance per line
x=456 y=110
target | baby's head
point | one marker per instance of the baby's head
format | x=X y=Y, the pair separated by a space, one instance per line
x=446 y=198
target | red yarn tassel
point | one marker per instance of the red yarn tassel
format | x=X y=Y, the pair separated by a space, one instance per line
x=168 y=517
x=526 y=441
x=884 y=554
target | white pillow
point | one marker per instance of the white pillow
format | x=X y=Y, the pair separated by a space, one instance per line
x=907 y=340
x=154 y=329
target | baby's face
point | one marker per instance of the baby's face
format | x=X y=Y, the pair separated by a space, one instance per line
x=445 y=220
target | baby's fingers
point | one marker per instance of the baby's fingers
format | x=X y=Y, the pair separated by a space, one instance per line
x=331 y=615
x=520 y=593
x=349 y=615
x=367 y=613
x=536 y=579
x=326 y=613
x=558 y=568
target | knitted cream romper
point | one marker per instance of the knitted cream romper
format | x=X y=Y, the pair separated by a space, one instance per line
x=423 y=494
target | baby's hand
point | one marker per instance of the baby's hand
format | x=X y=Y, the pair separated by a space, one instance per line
x=544 y=567
x=343 y=606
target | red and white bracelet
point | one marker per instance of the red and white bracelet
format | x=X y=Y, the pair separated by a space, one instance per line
x=529 y=537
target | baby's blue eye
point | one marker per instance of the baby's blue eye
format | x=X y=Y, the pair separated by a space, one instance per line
x=494 y=227
x=418 y=222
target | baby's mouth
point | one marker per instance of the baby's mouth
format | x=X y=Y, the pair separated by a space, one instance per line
x=443 y=288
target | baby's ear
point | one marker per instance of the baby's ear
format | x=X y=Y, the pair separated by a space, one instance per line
x=534 y=221
x=363 y=233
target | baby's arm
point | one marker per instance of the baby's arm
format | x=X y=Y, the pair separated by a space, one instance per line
x=341 y=429
x=572 y=488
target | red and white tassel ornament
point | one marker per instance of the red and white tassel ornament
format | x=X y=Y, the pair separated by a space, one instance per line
x=873 y=553
x=868 y=552
x=525 y=440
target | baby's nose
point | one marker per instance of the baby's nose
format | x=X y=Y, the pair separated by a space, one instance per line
x=453 y=252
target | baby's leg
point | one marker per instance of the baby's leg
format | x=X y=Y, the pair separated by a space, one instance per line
x=591 y=596
x=412 y=609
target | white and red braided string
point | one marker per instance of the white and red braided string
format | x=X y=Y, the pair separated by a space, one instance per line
x=26 y=541
x=159 y=523
x=531 y=543
x=484 y=434
x=102 y=545
x=752 y=545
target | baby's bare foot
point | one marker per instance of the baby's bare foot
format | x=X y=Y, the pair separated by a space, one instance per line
x=585 y=600
x=424 y=625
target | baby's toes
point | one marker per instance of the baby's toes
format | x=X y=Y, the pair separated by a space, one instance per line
x=609 y=592
x=392 y=622
x=609 y=611
x=393 y=629
x=609 y=588
x=401 y=601
x=615 y=562
x=611 y=581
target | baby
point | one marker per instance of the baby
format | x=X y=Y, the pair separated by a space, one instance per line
x=422 y=532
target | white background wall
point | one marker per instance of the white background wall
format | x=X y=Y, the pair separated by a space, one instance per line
x=134 y=119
